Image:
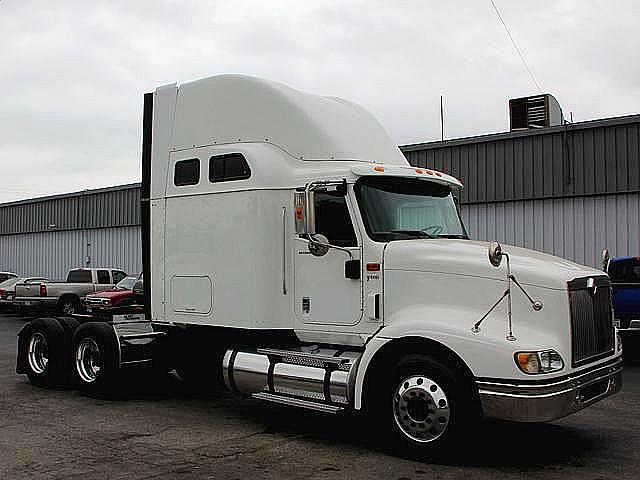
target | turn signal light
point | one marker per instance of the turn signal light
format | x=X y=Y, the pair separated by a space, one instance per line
x=379 y=169
x=43 y=290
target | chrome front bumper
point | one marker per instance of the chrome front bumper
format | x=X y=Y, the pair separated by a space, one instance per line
x=552 y=399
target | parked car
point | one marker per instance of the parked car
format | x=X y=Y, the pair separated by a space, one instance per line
x=4 y=276
x=67 y=297
x=120 y=299
x=8 y=289
x=624 y=273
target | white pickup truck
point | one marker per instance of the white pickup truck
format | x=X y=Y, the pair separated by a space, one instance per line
x=293 y=255
x=66 y=297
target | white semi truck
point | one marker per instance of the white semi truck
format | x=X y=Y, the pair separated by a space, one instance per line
x=292 y=254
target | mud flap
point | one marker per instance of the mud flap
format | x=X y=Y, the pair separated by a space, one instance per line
x=22 y=366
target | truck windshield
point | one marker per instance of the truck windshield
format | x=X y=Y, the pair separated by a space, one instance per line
x=401 y=208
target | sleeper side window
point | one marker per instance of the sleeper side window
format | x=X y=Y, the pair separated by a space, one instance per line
x=333 y=219
x=187 y=172
x=223 y=168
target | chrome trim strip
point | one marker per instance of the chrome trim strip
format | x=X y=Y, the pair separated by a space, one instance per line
x=550 y=394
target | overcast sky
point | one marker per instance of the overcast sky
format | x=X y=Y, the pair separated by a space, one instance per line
x=73 y=72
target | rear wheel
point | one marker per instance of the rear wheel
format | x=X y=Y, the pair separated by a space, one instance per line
x=47 y=354
x=95 y=348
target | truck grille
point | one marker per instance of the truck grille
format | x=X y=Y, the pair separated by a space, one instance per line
x=592 y=332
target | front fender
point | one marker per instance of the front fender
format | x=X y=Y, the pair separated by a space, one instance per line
x=487 y=353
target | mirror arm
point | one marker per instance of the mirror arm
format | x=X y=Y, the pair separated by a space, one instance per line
x=328 y=245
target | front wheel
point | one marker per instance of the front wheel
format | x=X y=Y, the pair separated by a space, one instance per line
x=427 y=407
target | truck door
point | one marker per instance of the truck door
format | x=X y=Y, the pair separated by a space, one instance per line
x=322 y=293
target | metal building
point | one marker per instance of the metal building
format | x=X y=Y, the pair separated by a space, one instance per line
x=567 y=190
x=49 y=235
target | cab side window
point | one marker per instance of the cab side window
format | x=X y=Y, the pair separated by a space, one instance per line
x=333 y=219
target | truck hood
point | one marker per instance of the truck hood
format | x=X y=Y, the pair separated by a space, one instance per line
x=112 y=294
x=470 y=258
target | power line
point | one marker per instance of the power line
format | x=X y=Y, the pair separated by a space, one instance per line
x=526 y=65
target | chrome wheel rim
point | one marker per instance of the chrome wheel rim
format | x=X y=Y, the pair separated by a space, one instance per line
x=68 y=308
x=38 y=353
x=421 y=409
x=88 y=360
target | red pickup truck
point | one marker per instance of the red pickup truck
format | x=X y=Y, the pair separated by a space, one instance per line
x=120 y=299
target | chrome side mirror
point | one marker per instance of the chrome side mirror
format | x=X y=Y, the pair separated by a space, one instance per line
x=304 y=206
x=318 y=245
x=495 y=254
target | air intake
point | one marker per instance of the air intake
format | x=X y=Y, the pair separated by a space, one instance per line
x=539 y=111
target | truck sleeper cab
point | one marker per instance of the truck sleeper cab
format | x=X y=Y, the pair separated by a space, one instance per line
x=292 y=254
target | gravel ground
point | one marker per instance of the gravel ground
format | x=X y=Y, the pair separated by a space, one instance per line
x=162 y=431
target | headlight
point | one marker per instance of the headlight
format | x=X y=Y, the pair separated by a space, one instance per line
x=533 y=363
x=106 y=301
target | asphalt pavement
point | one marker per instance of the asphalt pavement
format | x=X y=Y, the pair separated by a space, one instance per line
x=160 y=430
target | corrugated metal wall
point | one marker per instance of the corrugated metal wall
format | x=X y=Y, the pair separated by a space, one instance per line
x=52 y=254
x=598 y=157
x=108 y=207
x=575 y=228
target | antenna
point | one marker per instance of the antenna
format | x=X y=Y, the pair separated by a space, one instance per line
x=441 y=119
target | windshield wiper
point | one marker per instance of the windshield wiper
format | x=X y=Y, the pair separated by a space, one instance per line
x=453 y=235
x=415 y=233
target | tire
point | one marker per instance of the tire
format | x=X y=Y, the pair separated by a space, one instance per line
x=69 y=305
x=46 y=353
x=95 y=358
x=424 y=407
x=69 y=325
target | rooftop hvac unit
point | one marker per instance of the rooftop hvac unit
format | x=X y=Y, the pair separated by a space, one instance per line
x=538 y=111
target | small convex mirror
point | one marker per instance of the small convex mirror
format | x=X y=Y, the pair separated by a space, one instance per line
x=318 y=245
x=495 y=254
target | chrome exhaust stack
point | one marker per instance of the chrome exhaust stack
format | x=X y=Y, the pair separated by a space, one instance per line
x=320 y=379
